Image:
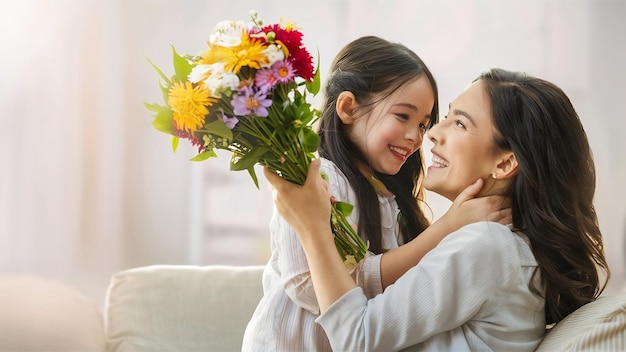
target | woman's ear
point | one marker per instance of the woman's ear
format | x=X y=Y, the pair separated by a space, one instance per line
x=507 y=166
x=346 y=104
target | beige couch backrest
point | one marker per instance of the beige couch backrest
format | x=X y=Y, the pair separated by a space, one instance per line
x=206 y=308
x=181 y=308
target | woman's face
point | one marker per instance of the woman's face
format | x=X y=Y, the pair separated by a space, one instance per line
x=463 y=148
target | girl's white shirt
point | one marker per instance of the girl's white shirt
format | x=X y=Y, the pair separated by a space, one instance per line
x=284 y=320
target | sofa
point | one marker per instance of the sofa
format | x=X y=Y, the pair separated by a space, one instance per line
x=203 y=308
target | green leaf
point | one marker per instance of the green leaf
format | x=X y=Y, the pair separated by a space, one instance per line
x=163 y=76
x=219 y=128
x=305 y=113
x=309 y=139
x=247 y=161
x=153 y=107
x=314 y=86
x=344 y=208
x=164 y=118
x=165 y=90
x=175 y=140
x=255 y=179
x=182 y=66
x=204 y=155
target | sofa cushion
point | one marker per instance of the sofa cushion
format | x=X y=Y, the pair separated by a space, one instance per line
x=596 y=326
x=181 y=308
x=39 y=314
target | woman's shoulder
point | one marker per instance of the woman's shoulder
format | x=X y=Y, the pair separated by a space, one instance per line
x=492 y=240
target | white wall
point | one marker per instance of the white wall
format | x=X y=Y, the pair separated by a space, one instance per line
x=88 y=187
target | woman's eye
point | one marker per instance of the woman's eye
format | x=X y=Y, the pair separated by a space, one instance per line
x=459 y=123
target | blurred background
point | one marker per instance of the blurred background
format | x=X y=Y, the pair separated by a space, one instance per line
x=88 y=187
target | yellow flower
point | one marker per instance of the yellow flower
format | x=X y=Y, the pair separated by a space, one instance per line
x=189 y=105
x=289 y=26
x=248 y=53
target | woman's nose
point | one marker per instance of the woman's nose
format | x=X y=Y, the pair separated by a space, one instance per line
x=434 y=134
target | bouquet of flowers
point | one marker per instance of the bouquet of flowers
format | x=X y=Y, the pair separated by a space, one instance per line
x=246 y=94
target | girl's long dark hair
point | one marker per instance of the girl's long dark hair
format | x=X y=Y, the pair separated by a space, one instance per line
x=370 y=67
x=553 y=190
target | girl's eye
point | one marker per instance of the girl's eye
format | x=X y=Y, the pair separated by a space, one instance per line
x=423 y=129
x=403 y=116
x=460 y=124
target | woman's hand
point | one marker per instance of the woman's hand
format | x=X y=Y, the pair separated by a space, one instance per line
x=306 y=208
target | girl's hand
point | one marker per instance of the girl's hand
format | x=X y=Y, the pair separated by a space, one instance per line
x=467 y=209
x=306 y=208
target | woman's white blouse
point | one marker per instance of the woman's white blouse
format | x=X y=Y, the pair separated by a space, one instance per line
x=284 y=320
x=470 y=293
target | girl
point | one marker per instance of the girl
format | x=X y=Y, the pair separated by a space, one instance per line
x=486 y=286
x=376 y=111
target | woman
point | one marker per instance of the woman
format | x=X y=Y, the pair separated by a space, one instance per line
x=486 y=286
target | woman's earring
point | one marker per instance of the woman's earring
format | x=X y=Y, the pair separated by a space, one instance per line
x=494 y=176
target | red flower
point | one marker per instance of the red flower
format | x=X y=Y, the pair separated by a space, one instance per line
x=303 y=64
x=299 y=57
x=189 y=136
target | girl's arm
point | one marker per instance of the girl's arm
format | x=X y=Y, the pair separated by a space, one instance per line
x=307 y=209
x=292 y=265
x=464 y=210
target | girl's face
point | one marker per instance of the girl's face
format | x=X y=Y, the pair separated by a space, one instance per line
x=394 y=129
x=463 y=148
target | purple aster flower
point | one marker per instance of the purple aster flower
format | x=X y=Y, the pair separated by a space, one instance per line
x=266 y=78
x=284 y=71
x=230 y=121
x=251 y=101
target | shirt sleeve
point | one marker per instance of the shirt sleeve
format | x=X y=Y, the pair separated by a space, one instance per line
x=444 y=291
x=367 y=275
x=295 y=276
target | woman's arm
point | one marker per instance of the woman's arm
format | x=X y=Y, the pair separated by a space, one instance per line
x=469 y=276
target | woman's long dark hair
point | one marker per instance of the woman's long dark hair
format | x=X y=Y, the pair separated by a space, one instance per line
x=553 y=190
x=370 y=67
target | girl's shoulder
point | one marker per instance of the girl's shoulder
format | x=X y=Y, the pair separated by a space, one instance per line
x=338 y=182
x=332 y=171
x=329 y=165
